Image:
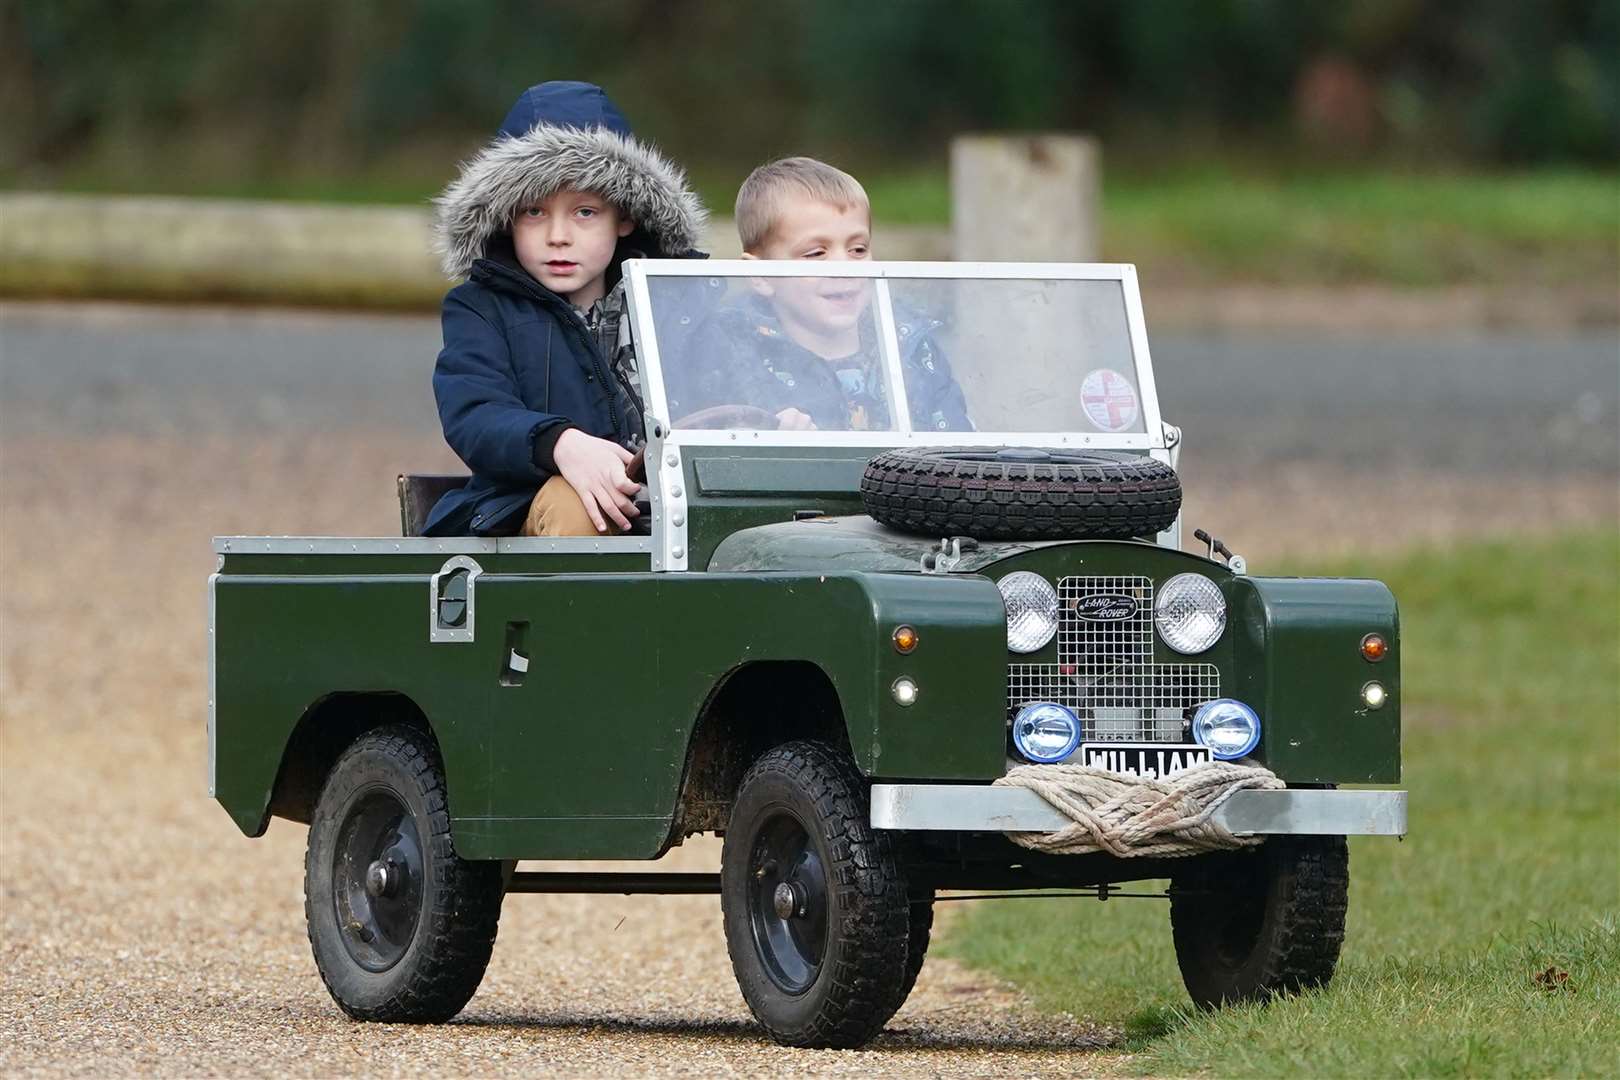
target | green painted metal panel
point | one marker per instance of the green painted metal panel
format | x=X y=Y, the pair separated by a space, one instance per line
x=849 y=542
x=1291 y=650
x=583 y=757
x=284 y=643
x=591 y=749
x=756 y=485
x=1298 y=662
x=350 y=565
x=777 y=476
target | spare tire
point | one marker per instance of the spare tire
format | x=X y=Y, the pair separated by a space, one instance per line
x=1021 y=494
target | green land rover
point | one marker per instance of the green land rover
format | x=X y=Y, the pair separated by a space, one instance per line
x=930 y=630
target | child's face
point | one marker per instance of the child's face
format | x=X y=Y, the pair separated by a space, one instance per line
x=818 y=308
x=567 y=241
x=811 y=229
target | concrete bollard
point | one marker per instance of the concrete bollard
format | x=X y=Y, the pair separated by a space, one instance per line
x=1025 y=198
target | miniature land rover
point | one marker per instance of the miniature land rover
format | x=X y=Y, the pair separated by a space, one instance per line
x=827 y=643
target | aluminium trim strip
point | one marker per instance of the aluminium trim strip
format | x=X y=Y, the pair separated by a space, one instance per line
x=213 y=690
x=880 y=440
x=427 y=545
x=983 y=808
x=879 y=269
x=893 y=376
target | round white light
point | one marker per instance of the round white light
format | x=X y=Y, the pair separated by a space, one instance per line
x=1032 y=610
x=1374 y=695
x=904 y=691
x=1190 y=613
x=1045 y=732
x=1229 y=728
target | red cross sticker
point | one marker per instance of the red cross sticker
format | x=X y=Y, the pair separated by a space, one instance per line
x=1109 y=400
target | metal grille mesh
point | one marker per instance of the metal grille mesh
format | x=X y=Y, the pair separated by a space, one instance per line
x=1105 y=670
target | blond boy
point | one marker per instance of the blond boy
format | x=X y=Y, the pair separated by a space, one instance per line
x=804 y=349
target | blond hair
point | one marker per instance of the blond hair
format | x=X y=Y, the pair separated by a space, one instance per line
x=761 y=198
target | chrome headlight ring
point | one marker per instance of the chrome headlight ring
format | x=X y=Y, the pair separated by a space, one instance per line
x=1032 y=610
x=1189 y=613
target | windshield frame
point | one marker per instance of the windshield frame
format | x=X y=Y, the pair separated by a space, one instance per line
x=637 y=273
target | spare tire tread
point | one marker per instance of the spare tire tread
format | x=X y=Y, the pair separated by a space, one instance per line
x=1075 y=495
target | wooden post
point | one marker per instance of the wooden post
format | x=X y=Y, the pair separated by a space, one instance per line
x=1024 y=198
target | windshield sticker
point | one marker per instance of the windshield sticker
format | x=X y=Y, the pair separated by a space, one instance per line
x=1109 y=400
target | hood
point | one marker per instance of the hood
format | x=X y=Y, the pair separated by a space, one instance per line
x=564 y=135
x=855 y=542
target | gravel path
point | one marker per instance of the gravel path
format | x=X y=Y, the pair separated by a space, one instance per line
x=143 y=935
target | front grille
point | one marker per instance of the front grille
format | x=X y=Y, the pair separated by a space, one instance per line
x=1105 y=670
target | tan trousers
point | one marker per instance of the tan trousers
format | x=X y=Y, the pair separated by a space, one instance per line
x=557 y=511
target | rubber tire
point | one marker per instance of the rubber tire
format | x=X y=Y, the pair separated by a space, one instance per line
x=1018 y=494
x=863 y=976
x=461 y=902
x=918 y=932
x=1301 y=885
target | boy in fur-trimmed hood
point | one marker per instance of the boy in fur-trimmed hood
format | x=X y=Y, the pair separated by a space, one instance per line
x=530 y=390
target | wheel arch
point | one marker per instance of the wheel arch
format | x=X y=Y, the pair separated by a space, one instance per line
x=327 y=727
x=752 y=708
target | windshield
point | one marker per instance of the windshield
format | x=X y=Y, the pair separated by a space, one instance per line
x=869 y=349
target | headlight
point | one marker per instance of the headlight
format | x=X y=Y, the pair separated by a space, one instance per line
x=1032 y=610
x=1045 y=732
x=1190 y=613
x=1229 y=728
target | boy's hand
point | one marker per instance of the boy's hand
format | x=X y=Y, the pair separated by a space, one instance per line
x=595 y=469
x=793 y=420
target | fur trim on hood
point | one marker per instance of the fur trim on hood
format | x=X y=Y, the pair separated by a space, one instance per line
x=514 y=172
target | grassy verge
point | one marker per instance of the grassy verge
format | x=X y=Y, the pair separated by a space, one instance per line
x=1512 y=755
x=1544 y=228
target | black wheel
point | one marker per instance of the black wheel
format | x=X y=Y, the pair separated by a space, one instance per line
x=401 y=927
x=816 y=914
x=1021 y=494
x=1248 y=925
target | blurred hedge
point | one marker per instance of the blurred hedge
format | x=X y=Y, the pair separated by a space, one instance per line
x=333 y=87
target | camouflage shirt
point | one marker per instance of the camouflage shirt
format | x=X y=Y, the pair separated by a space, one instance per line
x=611 y=334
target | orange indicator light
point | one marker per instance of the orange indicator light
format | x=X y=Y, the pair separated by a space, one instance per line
x=905 y=639
x=1374 y=647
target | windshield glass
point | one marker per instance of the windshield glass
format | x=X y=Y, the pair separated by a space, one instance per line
x=895 y=354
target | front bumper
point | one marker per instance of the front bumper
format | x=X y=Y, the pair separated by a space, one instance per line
x=982 y=808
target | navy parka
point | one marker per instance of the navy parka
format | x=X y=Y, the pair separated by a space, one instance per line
x=519 y=364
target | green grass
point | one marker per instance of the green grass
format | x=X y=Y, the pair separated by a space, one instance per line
x=1215 y=225
x=1547 y=227
x=1512 y=755
x=1395 y=228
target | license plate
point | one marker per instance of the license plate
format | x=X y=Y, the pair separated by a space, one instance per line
x=1151 y=761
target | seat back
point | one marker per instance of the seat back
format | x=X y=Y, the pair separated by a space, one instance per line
x=417 y=495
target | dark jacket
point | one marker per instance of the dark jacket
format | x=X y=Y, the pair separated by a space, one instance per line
x=519 y=364
x=743 y=356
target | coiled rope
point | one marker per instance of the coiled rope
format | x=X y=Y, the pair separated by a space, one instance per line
x=1133 y=817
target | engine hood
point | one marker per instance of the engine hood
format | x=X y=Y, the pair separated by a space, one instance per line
x=855 y=542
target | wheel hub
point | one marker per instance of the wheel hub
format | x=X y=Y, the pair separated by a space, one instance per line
x=789 y=900
x=378 y=880
x=382 y=879
x=788 y=903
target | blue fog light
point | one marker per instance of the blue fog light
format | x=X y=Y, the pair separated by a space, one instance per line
x=1045 y=732
x=1229 y=728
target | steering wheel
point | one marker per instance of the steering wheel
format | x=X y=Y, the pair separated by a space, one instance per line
x=749 y=417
